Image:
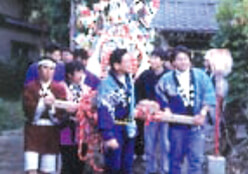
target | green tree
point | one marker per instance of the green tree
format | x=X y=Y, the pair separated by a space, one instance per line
x=232 y=17
x=51 y=14
x=54 y=15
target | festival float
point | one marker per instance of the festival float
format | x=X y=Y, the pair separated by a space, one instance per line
x=109 y=24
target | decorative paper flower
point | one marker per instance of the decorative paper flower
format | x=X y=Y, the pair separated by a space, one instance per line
x=220 y=61
x=82 y=10
x=119 y=27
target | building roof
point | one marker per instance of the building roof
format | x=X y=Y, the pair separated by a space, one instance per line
x=20 y=24
x=186 y=16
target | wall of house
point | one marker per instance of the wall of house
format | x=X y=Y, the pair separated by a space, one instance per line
x=11 y=8
x=9 y=36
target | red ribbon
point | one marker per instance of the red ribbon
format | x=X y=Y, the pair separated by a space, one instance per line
x=219 y=103
x=88 y=134
x=146 y=110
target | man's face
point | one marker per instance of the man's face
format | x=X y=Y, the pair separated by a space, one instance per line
x=67 y=56
x=156 y=62
x=182 y=62
x=46 y=73
x=56 y=55
x=84 y=62
x=125 y=65
x=76 y=77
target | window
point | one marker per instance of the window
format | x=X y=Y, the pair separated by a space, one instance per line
x=22 y=50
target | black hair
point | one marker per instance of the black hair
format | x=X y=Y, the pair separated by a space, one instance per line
x=159 y=52
x=66 y=49
x=116 y=56
x=46 y=57
x=51 y=47
x=180 y=49
x=73 y=66
x=169 y=54
x=82 y=53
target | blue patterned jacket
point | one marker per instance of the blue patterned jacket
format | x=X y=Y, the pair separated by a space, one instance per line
x=168 y=96
x=115 y=102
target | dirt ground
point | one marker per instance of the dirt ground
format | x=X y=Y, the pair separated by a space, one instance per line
x=11 y=152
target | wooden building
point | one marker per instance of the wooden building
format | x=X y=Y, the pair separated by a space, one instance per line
x=188 y=22
x=19 y=38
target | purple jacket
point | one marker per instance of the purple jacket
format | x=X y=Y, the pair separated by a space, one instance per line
x=68 y=134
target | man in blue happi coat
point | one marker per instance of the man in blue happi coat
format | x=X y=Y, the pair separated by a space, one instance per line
x=189 y=91
x=115 y=111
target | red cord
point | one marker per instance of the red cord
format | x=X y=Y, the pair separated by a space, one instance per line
x=219 y=101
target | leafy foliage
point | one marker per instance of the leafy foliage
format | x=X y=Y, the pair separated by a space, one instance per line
x=12 y=74
x=53 y=15
x=11 y=115
x=232 y=17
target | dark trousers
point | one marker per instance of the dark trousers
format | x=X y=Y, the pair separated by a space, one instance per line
x=139 y=140
x=120 y=160
x=70 y=161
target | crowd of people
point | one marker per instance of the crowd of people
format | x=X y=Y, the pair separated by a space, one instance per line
x=172 y=82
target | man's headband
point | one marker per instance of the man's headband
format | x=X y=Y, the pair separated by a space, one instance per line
x=47 y=62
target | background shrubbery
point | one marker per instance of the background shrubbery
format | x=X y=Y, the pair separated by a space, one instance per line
x=11 y=115
x=12 y=74
x=233 y=34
